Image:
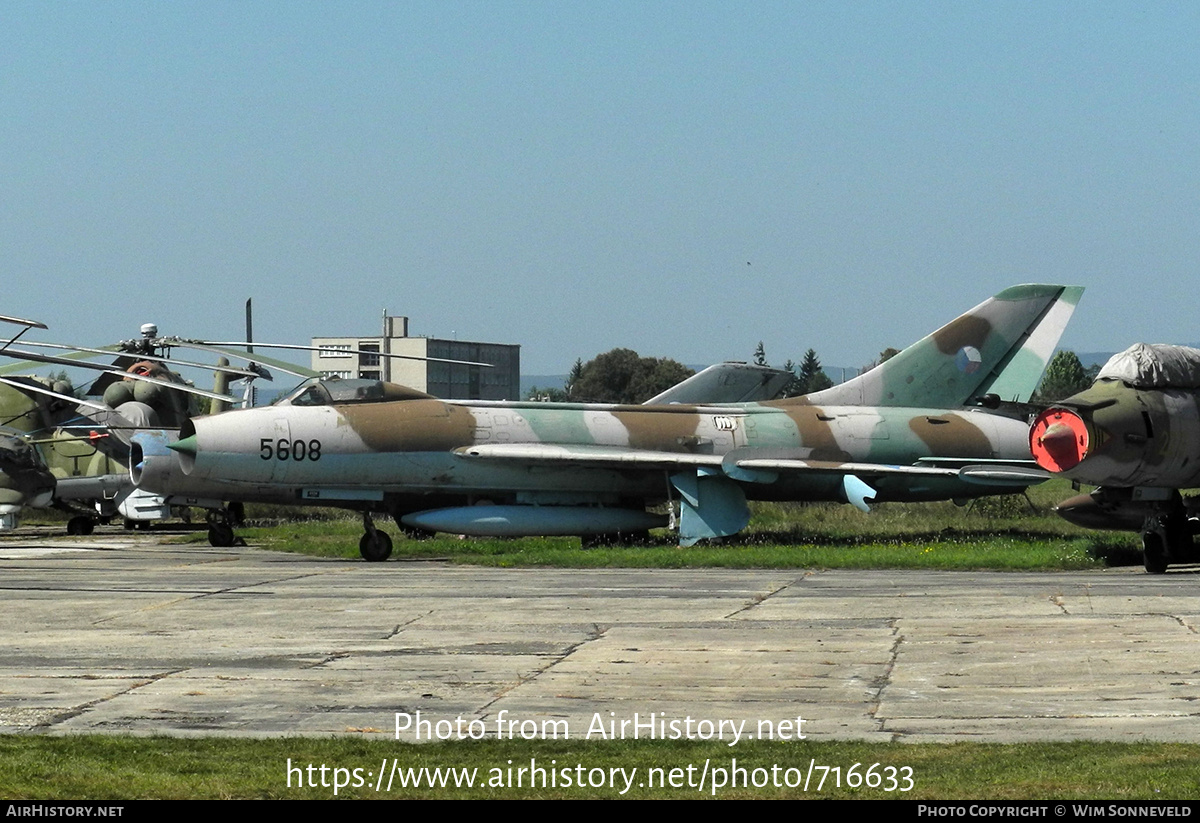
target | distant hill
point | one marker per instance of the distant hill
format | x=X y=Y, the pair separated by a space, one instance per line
x=1093 y=358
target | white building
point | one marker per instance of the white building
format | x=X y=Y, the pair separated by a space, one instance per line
x=362 y=356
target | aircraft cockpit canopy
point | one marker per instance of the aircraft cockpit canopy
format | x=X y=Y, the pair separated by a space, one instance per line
x=1154 y=366
x=333 y=391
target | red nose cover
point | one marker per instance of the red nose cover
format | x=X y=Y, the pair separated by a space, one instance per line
x=1058 y=440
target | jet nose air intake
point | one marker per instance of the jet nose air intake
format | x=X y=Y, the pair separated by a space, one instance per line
x=1059 y=439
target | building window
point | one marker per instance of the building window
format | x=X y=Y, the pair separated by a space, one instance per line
x=335 y=350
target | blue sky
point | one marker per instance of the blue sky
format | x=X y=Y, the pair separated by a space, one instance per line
x=684 y=179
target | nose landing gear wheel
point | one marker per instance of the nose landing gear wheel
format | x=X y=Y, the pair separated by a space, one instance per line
x=1166 y=539
x=80 y=525
x=375 y=548
x=220 y=535
x=220 y=530
x=1154 y=553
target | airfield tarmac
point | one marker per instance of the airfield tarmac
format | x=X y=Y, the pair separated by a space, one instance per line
x=125 y=633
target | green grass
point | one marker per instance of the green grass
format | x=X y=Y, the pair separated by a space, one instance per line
x=992 y=533
x=968 y=550
x=99 y=767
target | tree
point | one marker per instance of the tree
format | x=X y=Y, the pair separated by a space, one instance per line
x=794 y=387
x=760 y=355
x=1064 y=377
x=884 y=356
x=811 y=376
x=576 y=371
x=623 y=376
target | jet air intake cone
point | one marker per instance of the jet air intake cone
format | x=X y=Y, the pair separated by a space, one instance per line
x=1059 y=440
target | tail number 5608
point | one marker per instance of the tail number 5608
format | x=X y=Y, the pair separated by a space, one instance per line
x=284 y=449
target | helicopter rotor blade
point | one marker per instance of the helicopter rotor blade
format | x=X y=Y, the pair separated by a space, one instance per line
x=47 y=358
x=17 y=384
x=287 y=368
x=18 y=321
x=355 y=351
x=152 y=357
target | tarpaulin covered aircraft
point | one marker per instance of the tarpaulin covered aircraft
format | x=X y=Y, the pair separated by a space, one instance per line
x=1135 y=433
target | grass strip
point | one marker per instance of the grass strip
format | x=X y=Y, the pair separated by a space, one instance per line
x=102 y=767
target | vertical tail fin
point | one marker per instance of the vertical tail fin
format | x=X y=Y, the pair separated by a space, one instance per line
x=1002 y=347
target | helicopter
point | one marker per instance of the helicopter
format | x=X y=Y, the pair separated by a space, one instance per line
x=83 y=436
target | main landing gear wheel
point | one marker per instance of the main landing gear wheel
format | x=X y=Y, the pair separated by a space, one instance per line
x=80 y=525
x=375 y=546
x=220 y=531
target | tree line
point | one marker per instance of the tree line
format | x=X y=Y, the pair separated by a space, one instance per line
x=624 y=376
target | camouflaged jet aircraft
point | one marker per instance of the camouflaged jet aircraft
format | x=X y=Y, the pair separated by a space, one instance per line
x=1135 y=433
x=901 y=431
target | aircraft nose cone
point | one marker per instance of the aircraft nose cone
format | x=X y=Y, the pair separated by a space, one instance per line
x=185 y=446
x=1058 y=440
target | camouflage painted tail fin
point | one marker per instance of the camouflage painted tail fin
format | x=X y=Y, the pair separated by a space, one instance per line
x=1001 y=346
